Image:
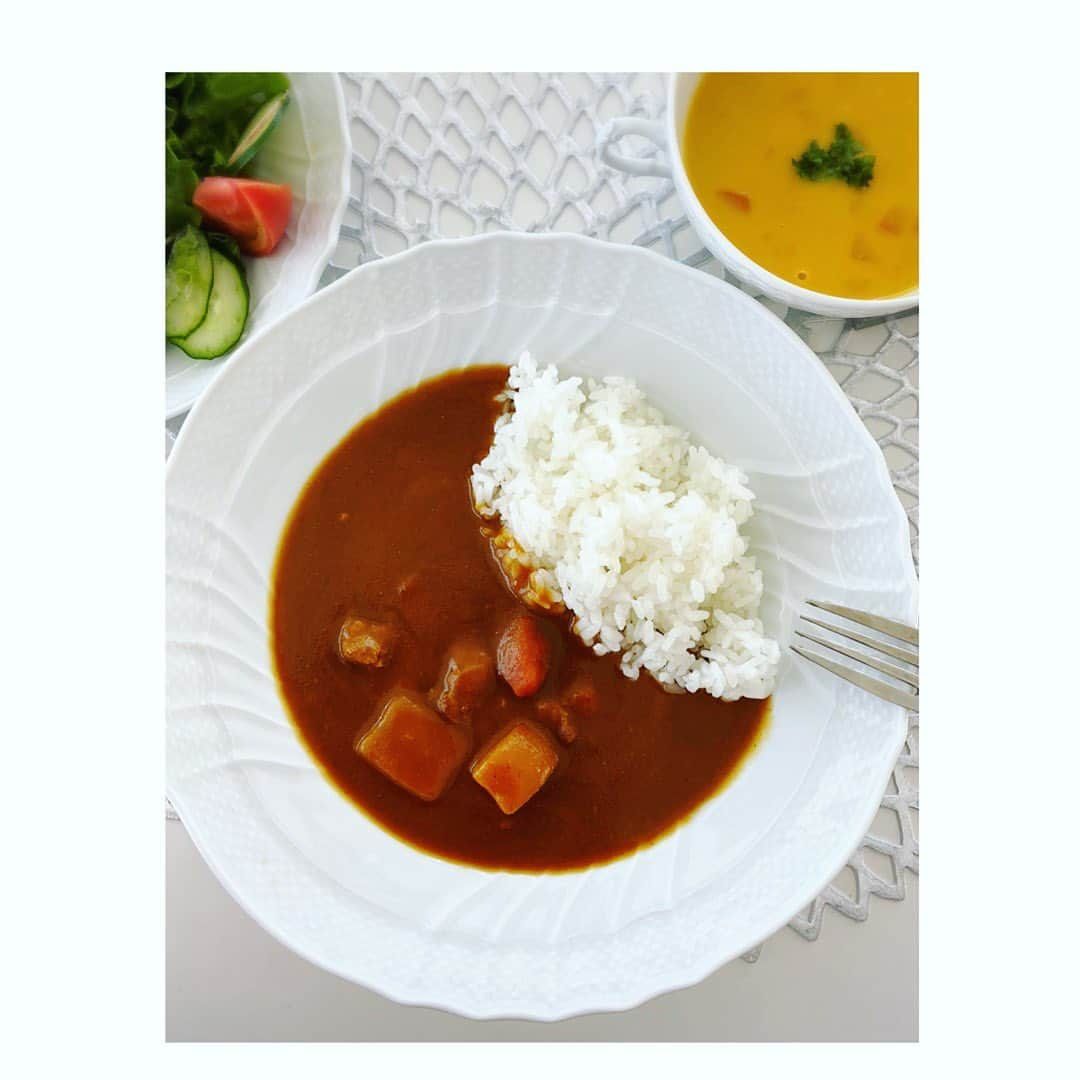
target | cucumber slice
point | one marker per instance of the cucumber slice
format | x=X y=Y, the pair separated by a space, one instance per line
x=189 y=275
x=257 y=132
x=225 y=314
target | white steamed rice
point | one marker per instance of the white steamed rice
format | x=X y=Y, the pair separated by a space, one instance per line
x=634 y=528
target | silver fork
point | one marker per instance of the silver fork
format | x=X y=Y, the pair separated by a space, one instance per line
x=908 y=673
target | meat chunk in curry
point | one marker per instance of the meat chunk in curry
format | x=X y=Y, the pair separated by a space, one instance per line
x=580 y=697
x=366 y=642
x=524 y=655
x=467 y=681
x=557 y=716
x=411 y=744
x=516 y=767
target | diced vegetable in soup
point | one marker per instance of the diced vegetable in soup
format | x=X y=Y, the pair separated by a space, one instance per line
x=813 y=175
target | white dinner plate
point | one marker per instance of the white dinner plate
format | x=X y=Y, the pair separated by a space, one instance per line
x=324 y=878
x=312 y=151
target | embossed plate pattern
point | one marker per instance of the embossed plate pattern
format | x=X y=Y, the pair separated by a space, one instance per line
x=327 y=881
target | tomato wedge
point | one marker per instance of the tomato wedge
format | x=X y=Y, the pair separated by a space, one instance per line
x=253 y=212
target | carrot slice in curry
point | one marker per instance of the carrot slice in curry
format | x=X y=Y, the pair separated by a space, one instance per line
x=524 y=655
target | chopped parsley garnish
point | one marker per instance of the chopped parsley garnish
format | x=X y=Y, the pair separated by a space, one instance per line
x=844 y=160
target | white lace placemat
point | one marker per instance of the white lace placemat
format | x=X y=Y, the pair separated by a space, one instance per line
x=439 y=156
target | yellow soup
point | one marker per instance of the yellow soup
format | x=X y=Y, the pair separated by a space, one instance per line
x=742 y=132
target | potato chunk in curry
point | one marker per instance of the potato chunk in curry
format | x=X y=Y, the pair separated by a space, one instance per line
x=411 y=744
x=516 y=767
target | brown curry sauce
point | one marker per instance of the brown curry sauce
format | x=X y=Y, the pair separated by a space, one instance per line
x=385 y=528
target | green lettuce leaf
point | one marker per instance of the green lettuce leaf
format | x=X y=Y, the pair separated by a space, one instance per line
x=180 y=181
x=213 y=109
x=205 y=115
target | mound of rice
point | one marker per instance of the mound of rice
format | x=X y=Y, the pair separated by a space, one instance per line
x=634 y=528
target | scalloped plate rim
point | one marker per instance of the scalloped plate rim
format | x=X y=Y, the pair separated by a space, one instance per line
x=709 y=966
x=709 y=962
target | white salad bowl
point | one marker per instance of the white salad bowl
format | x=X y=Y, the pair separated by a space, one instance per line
x=668 y=135
x=311 y=150
x=323 y=877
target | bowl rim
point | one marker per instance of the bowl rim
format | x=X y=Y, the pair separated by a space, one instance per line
x=344 y=190
x=747 y=269
x=708 y=962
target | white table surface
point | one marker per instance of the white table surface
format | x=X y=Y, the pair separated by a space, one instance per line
x=228 y=980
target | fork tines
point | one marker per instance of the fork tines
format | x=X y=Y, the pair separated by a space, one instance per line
x=874 y=648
